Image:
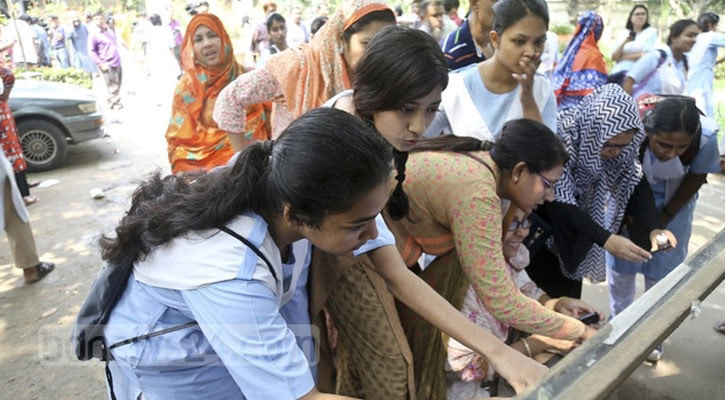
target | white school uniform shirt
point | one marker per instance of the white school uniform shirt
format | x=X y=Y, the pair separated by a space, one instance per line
x=669 y=78
x=469 y=109
x=645 y=41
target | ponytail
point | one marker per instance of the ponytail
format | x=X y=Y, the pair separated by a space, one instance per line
x=164 y=208
x=398 y=205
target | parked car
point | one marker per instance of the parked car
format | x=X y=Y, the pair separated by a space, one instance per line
x=50 y=116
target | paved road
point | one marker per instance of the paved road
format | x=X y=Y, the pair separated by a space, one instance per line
x=35 y=321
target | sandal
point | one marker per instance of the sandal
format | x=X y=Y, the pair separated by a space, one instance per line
x=30 y=200
x=720 y=327
x=43 y=268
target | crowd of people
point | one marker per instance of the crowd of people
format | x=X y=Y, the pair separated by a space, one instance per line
x=396 y=206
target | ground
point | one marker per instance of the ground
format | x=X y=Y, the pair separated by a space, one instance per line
x=36 y=320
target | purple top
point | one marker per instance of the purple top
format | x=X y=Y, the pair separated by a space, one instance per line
x=176 y=30
x=102 y=48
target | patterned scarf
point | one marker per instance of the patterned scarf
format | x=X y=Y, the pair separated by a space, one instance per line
x=311 y=73
x=600 y=188
x=582 y=68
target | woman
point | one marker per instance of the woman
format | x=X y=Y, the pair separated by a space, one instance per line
x=582 y=69
x=480 y=100
x=702 y=60
x=304 y=77
x=601 y=180
x=678 y=153
x=10 y=140
x=397 y=88
x=277 y=28
x=466 y=371
x=455 y=187
x=195 y=140
x=664 y=71
x=641 y=38
x=324 y=180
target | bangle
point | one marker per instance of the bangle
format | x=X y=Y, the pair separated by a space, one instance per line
x=527 y=347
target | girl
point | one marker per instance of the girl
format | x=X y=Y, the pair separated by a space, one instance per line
x=466 y=371
x=304 y=77
x=277 y=28
x=207 y=57
x=703 y=59
x=582 y=69
x=601 y=180
x=324 y=180
x=678 y=153
x=398 y=84
x=641 y=38
x=480 y=100
x=455 y=187
x=664 y=71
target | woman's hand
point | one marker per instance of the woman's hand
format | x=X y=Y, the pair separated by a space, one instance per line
x=575 y=308
x=520 y=371
x=526 y=77
x=560 y=345
x=589 y=331
x=671 y=239
x=624 y=249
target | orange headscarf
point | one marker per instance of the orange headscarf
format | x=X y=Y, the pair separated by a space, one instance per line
x=311 y=73
x=195 y=140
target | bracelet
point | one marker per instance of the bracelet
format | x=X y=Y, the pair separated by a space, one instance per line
x=528 y=348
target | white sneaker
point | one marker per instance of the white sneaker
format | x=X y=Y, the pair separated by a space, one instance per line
x=656 y=354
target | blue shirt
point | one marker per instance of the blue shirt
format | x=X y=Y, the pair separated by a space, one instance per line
x=243 y=346
x=459 y=48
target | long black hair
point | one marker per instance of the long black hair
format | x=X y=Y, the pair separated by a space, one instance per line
x=630 y=26
x=521 y=140
x=399 y=65
x=321 y=165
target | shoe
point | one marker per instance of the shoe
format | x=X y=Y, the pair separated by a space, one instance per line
x=656 y=354
x=43 y=268
x=720 y=327
x=30 y=200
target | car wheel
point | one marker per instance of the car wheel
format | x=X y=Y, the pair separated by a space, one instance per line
x=44 y=145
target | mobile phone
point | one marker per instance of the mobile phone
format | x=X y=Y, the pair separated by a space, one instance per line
x=590 y=319
x=632 y=34
x=662 y=248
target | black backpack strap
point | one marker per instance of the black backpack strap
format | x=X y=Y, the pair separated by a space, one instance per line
x=194 y=323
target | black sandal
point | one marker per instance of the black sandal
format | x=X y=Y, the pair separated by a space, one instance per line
x=43 y=268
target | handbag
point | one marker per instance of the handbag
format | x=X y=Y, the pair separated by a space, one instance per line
x=87 y=337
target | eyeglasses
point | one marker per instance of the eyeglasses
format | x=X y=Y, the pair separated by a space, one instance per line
x=548 y=185
x=525 y=224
